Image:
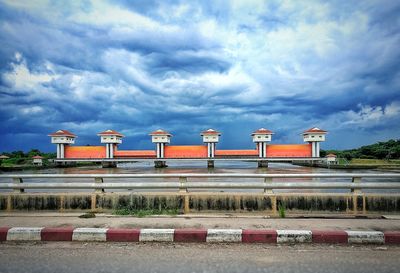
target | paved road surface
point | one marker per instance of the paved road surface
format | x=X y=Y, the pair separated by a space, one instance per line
x=156 y=257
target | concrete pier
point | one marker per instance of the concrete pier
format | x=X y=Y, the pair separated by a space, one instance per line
x=65 y=164
x=263 y=164
x=160 y=164
x=108 y=164
x=210 y=163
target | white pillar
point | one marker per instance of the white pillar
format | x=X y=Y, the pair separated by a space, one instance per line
x=317 y=149
x=58 y=150
x=259 y=146
x=214 y=145
x=313 y=149
x=62 y=151
x=265 y=149
x=107 y=151
x=158 y=150
x=111 y=150
x=162 y=149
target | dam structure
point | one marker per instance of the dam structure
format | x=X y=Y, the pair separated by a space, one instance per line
x=263 y=152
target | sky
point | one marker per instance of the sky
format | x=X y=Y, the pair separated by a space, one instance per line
x=186 y=66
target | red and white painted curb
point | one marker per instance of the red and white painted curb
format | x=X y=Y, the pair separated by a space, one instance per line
x=198 y=235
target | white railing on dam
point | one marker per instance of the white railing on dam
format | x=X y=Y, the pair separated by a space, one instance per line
x=183 y=183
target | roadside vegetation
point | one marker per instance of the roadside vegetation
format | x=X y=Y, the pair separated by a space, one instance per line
x=282 y=210
x=144 y=212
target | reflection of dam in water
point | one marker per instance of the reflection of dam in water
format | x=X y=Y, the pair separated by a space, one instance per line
x=263 y=152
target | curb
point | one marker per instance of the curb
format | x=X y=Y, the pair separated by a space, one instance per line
x=199 y=235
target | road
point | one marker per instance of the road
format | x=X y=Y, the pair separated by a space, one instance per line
x=156 y=257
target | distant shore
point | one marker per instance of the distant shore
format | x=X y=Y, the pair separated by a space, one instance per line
x=11 y=168
x=356 y=163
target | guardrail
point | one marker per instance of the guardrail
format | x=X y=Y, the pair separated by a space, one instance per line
x=183 y=183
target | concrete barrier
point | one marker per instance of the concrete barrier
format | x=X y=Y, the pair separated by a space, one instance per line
x=3 y=233
x=224 y=236
x=123 y=235
x=198 y=235
x=259 y=236
x=24 y=234
x=156 y=235
x=190 y=235
x=365 y=237
x=392 y=237
x=57 y=234
x=329 y=237
x=294 y=236
x=90 y=234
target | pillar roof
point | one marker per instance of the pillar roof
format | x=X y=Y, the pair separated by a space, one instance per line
x=63 y=133
x=210 y=132
x=160 y=132
x=315 y=130
x=110 y=133
x=262 y=131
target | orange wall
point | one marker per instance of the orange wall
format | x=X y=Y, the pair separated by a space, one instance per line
x=236 y=152
x=185 y=151
x=137 y=153
x=189 y=151
x=291 y=150
x=85 y=151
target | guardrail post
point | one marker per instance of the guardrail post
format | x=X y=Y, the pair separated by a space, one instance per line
x=267 y=188
x=9 y=203
x=182 y=182
x=356 y=180
x=355 y=192
x=99 y=180
x=183 y=189
x=18 y=181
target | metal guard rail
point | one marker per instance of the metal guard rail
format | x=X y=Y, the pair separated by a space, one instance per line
x=206 y=175
x=184 y=185
x=200 y=185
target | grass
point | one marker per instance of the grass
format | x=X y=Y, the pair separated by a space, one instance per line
x=282 y=210
x=362 y=161
x=88 y=215
x=144 y=212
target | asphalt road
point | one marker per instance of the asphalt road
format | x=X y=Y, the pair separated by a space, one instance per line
x=155 y=257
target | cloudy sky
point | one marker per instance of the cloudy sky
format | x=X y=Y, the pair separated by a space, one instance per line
x=186 y=66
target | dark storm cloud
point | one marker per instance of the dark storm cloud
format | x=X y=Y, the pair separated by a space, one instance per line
x=187 y=66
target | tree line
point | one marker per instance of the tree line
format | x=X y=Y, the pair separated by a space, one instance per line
x=382 y=150
x=21 y=158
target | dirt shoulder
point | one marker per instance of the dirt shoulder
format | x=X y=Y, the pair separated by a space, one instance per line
x=196 y=221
